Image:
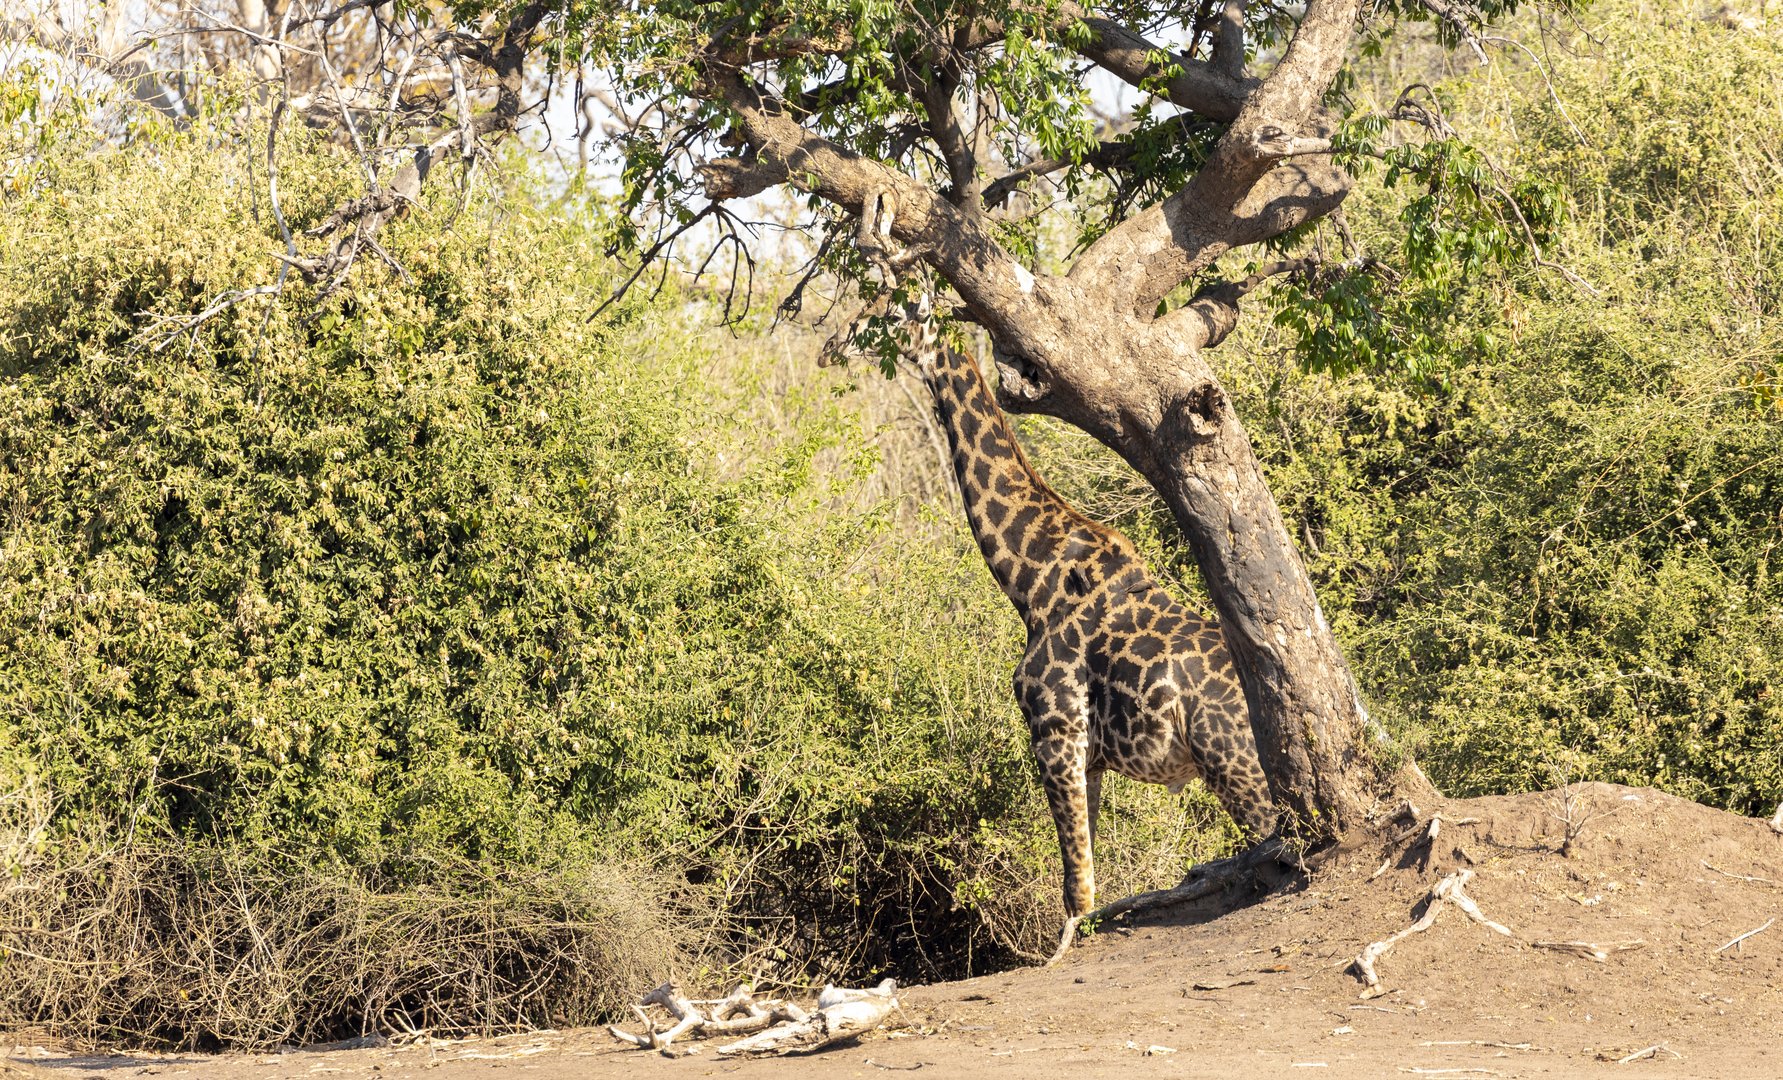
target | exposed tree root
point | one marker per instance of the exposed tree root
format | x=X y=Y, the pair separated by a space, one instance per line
x=1069 y=934
x=1450 y=890
x=1203 y=880
x=773 y=1026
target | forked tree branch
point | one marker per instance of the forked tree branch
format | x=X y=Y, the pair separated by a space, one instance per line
x=1195 y=85
x=996 y=288
x=1243 y=194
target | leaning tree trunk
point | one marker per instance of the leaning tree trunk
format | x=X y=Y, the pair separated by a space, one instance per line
x=1155 y=400
x=1329 y=765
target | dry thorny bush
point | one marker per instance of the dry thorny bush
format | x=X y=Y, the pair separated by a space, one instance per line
x=182 y=943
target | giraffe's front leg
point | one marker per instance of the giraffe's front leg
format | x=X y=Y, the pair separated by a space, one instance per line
x=1064 y=774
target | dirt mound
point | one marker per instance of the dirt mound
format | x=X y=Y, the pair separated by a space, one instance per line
x=1658 y=886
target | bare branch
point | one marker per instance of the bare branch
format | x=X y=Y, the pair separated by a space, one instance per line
x=1228 y=41
x=1456 y=19
x=1110 y=153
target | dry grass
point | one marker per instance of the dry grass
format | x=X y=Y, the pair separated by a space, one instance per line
x=192 y=945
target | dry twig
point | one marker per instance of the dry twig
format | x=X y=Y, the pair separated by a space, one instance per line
x=1651 y=1051
x=1750 y=933
x=1736 y=877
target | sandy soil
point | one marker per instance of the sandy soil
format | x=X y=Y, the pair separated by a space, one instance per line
x=1263 y=990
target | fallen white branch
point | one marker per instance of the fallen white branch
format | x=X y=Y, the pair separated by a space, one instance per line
x=841 y=1015
x=738 y=1013
x=1737 y=877
x=1747 y=934
x=772 y=1026
x=1651 y=1051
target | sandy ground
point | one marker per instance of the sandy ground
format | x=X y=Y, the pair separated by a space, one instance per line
x=1660 y=883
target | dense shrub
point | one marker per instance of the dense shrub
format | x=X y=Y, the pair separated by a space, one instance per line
x=436 y=588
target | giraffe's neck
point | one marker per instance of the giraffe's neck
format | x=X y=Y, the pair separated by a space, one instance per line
x=1027 y=533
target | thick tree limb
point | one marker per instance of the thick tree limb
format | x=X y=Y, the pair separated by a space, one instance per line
x=998 y=290
x=1241 y=195
x=1136 y=264
x=1228 y=41
x=1216 y=306
x=1200 y=87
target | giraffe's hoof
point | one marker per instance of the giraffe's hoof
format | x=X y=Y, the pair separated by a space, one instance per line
x=1065 y=940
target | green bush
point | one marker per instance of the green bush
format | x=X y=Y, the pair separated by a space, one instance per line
x=436 y=587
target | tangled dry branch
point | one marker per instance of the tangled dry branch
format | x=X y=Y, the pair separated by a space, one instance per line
x=187 y=945
x=772 y=1026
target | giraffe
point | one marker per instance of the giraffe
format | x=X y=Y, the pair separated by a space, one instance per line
x=1117 y=675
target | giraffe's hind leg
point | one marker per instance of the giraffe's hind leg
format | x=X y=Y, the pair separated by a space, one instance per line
x=1093 y=793
x=1226 y=753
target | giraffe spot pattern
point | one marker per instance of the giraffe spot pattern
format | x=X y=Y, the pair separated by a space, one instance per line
x=1117 y=675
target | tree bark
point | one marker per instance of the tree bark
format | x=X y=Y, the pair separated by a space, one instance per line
x=1154 y=399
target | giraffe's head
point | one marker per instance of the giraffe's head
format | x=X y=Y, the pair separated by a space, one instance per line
x=922 y=334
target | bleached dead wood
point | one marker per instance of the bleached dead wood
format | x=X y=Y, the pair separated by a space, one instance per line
x=841 y=1014
x=1737 y=877
x=1767 y=925
x=773 y=1025
x=738 y=1013
x=1450 y=890
x=1651 y=1051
